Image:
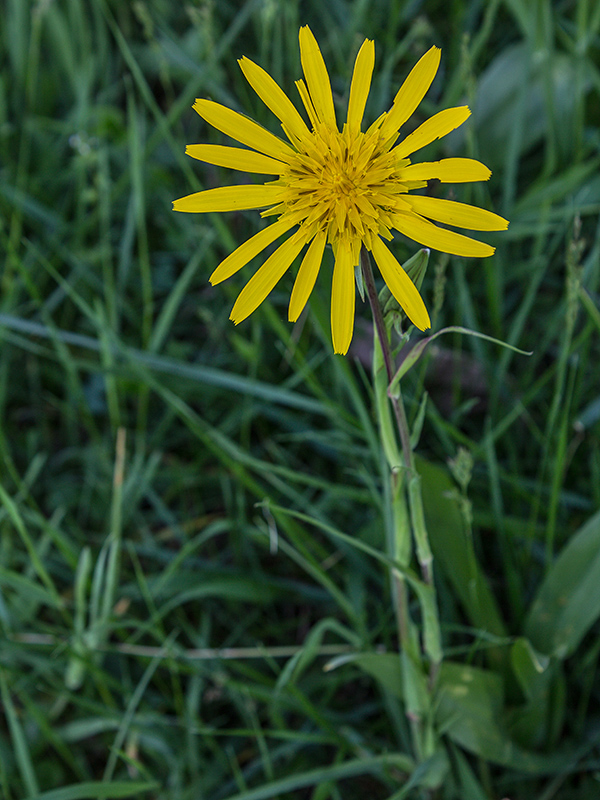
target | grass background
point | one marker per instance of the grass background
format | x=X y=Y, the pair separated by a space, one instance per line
x=139 y=428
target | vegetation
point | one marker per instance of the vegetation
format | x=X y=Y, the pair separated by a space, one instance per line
x=194 y=593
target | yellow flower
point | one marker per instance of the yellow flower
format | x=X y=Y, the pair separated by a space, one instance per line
x=349 y=189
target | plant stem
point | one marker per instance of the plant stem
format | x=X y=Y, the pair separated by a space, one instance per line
x=411 y=475
x=384 y=341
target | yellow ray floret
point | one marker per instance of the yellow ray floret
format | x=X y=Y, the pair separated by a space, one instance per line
x=460 y=215
x=242 y=129
x=360 y=85
x=235 y=158
x=428 y=234
x=317 y=77
x=247 y=251
x=400 y=285
x=307 y=276
x=448 y=170
x=346 y=188
x=434 y=128
x=265 y=278
x=229 y=198
x=343 y=294
x=412 y=91
x=275 y=99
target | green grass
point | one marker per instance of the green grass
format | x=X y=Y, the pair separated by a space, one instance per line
x=193 y=516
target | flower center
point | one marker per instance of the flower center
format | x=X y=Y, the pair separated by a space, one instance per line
x=342 y=183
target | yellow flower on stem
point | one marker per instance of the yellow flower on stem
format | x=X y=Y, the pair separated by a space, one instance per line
x=348 y=188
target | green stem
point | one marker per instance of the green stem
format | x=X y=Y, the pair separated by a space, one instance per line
x=406 y=483
x=400 y=546
x=384 y=341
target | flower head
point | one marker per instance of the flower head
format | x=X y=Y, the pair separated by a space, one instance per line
x=348 y=188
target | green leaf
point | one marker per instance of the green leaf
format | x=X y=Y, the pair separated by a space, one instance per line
x=415 y=353
x=358 y=276
x=453 y=550
x=522 y=87
x=469 y=710
x=311 y=647
x=430 y=773
x=384 y=667
x=528 y=723
x=27 y=589
x=14 y=514
x=197 y=373
x=416 y=266
x=373 y=765
x=18 y=737
x=528 y=667
x=568 y=601
x=414 y=681
x=469 y=785
x=99 y=790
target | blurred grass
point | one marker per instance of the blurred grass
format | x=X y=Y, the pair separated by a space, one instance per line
x=139 y=427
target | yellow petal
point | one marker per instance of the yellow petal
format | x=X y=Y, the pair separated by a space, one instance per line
x=448 y=170
x=242 y=129
x=247 y=251
x=229 y=198
x=375 y=126
x=343 y=293
x=434 y=128
x=306 y=277
x=400 y=285
x=307 y=102
x=265 y=278
x=459 y=214
x=317 y=77
x=274 y=98
x=235 y=158
x=412 y=91
x=360 y=85
x=428 y=234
